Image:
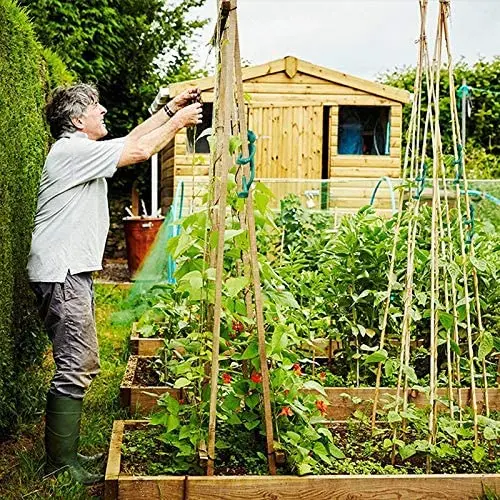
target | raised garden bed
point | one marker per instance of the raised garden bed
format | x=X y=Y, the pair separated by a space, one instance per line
x=135 y=394
x=422 y=486
x=344 y=401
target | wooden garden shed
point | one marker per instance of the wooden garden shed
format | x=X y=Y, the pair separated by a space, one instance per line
x=315 y=127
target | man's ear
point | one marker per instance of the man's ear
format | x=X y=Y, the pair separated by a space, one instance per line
x=78 y=123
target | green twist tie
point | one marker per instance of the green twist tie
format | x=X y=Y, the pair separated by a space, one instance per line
x=421 y=179
x=464 y=90
x=470 y=223
x=246 y=184
x=459 y=162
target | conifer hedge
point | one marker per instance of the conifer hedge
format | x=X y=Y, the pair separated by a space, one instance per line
x=26 y=78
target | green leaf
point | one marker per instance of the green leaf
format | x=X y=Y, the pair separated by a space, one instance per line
x=185 y=432
x=387 y=444
x=234 y=419
x=489 y=434
x=231 y=402
x=184 y=243
x=235 y=285
x=253 y=400
x=393 y=417
x=335 y=451
x=303 y=469
x=172 y=423
x=229 y=234
x=485 y=346
x=478 y=454
x=251 y=351
x=312 y=385
x=279 y=340
x=181 y=382
x=446 y=320
x=407 y=451
x=193 y=279
x=479 y=264
x=234 y=144
x=376 y=357
x=409 y=371
x=320 y=450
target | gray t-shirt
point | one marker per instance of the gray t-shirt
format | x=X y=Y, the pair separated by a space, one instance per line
x=72 y=217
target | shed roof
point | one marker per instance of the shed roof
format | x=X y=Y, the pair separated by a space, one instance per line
x=290 y=66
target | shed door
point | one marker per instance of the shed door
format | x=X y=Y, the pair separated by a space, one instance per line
x=290 y=140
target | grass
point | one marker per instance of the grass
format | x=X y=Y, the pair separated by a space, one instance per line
x=22 y=459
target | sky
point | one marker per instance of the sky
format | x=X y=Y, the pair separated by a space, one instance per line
x=362 y=37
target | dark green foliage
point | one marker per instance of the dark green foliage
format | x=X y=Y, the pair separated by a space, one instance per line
x=483 y=126
x=23 y=144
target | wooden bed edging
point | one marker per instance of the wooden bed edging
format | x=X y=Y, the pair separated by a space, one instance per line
x=411 y=487
x=142 y=399
x=141 y=346
x=145 y=347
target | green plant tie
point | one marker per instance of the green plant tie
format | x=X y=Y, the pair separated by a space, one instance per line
x=464 y=90
x=421 y=180
x=470 y=223
x=246 y=184
x=459 y=163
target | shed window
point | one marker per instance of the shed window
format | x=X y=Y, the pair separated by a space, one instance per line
x=201 y=145
x=364 y=130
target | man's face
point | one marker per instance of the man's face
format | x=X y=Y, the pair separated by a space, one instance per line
x=92 y=121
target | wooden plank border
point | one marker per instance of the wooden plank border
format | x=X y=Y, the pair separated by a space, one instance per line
x=342 y=487
x=142 y=400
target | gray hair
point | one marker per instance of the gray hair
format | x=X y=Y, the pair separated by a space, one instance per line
x=67 y=103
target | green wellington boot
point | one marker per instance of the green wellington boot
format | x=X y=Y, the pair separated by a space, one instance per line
x=62 y=433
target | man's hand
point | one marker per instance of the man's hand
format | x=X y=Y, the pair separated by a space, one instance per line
x=184 y=99
x=189 y=115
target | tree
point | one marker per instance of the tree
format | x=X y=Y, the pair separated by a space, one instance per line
x=117 y=44
x=483 y=126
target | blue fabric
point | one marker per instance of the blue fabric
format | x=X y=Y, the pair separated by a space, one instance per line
x=350 y=140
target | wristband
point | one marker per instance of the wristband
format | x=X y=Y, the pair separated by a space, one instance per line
x=167 y=110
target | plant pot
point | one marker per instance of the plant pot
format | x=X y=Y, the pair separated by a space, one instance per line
x=140 y=234
x=410 y=487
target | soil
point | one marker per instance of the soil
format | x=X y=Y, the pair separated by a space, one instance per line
x=114 y=271
x=145 y=375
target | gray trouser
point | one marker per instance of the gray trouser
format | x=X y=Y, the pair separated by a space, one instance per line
x=67 y=310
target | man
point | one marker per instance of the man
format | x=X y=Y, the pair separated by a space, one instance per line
x=71 y=226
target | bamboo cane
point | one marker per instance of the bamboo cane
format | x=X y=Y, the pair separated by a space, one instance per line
x=254 y=264
x=222 y=135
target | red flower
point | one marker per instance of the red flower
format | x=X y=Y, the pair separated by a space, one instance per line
x=238 y=326
x=256 y=377
x=322 y=376
x=226 y=378
x=296 y=368
x=321 y=406
x=286 y=412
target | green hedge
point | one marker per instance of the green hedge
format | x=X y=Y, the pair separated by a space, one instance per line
x=27 y=74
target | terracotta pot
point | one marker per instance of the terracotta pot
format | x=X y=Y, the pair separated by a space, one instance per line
x=140 y=233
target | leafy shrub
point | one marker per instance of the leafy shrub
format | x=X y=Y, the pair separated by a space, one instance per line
x=23 y=144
